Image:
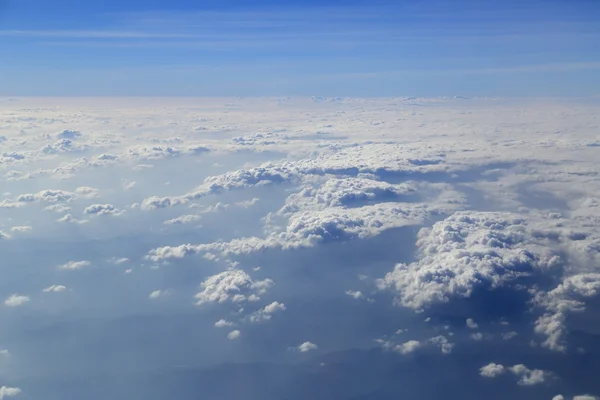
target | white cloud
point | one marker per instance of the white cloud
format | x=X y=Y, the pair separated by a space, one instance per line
x=307 y=346
x=527 y=377
x=408 y=347
x=568 y=297
x=6 y=391
x=102 y=209
x=465 y=251
x=16 y=300
x=158 y=293
x=266 y=313
x=233 y=335
x=471 y=324
x=21 y=229
x=71 y=219
x=585 y=397
x=492 y=370
x=357 y=295
x=184 y=219
x=72 y=265
x=232 y=285
x=55 y=288
x=223 y=323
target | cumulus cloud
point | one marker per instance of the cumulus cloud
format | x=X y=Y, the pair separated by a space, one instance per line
x=408 y=347
x=6 y=391
x=73 y=265
x=102 y=209
x=306 y=347
x=567 y=297
x=232 y=285
x=527 y=377
x=468 y=250
x=492 y=370
x=16 y=300
x=233 y=335
x=471 y=324
x=267 y=312
x=223 y=323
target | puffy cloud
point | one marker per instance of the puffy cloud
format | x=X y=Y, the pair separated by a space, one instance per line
x=527 y=377
x=48 y=196
x=308 y=229
x=16 y=300
x=567 y=297
x=466 y=251
x=232 y=285
x=585 y=397
x=471 y=324
x=6 y=391
x=266 y=313
x=306 y=347
x=491 y=370
x=233 y=335
x=443 y=343
x=4 y=235
x=72 y=265
x=55 y=288
x=102 y=209
x=408 y=347
x=223 y=323
x=357 y=295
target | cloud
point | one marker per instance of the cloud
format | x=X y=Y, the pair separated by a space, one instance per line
x=266 y=313
x=184 y=219
x=408 y=347
x=527 y=377
x=158 y=293
x=232 y=285
x=21 y=229
x=471 y=324
x=233 y=335
x=568 y=297
x=468 y=250
x=55 y=288
x=492 y=370
x=6 y=391
x=69 y=218
x=16 y=300
x=73 y=265
x=306 y=347
x=68 y=134
x=223 y=323
x=102 y=209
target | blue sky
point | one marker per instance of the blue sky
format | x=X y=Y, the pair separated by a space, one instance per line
x=328 y=48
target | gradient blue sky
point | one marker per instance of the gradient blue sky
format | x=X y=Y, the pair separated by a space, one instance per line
x=328 y=48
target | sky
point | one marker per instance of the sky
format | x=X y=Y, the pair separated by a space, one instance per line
x=325 y=48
